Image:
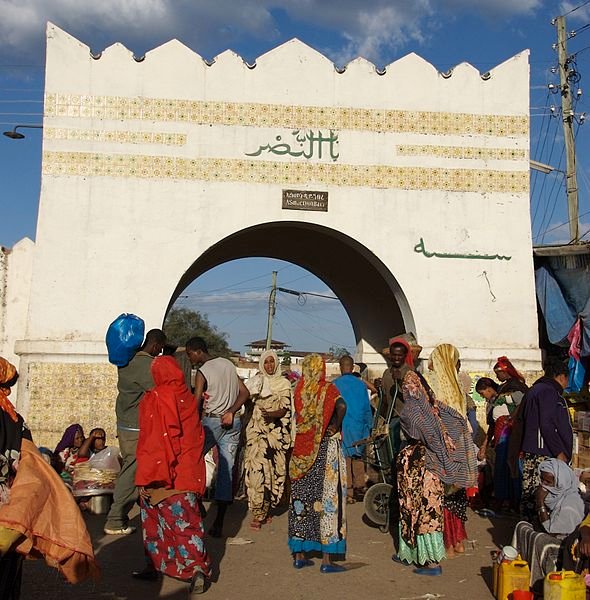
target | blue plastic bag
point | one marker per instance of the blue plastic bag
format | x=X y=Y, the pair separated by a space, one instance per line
x=124 y=338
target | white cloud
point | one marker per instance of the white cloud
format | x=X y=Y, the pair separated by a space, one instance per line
x=580 y=14
x=366 y=28
x=560 y=233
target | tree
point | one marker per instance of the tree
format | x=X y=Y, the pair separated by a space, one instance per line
x=286 y=359
x=182 y=323
x=338 y=352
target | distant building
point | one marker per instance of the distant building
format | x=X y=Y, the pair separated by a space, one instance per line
x=259 y=346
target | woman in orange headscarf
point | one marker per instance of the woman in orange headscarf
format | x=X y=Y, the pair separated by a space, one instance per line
x=38 y=515
x=317 y=469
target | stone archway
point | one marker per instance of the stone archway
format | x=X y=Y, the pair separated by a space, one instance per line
x=370 y=294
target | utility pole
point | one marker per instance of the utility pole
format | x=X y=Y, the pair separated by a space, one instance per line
x=272 y=305
x=567 y=114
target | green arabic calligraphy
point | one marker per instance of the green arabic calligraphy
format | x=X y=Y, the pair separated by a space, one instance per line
x=306 y=144
x=420 y=249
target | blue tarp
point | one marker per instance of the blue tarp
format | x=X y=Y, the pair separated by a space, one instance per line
x=559 y=315
x=572 y=273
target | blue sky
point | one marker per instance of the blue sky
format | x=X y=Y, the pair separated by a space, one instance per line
x=445 y=32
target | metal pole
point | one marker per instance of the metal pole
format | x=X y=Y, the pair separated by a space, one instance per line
x=271 y=309
x=567 y=114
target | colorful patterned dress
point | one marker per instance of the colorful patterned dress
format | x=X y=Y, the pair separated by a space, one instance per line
x=317 y=517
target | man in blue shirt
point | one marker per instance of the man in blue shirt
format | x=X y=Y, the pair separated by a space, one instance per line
x=356 y=426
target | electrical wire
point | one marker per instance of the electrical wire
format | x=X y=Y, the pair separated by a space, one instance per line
x=312 y=333
x=538 y=155
x=227 y=287
x=566 y=222
x=576 y=8
x=547 y=161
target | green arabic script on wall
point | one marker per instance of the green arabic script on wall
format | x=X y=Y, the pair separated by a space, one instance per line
x=420 y=248
x=307 y=144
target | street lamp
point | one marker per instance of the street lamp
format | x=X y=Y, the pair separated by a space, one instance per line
x=15 y=135
x=538 y=166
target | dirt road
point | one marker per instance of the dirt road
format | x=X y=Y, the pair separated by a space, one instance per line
x=262 y=569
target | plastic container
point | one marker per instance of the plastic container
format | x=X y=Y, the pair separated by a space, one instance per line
x=522 y=595
x=564 y=585
x=507 y=554
x=513 y=575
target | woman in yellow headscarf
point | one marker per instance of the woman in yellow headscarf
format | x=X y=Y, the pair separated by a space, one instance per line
x=317 y=520
x=445 y=363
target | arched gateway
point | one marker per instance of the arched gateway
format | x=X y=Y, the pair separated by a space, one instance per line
x=406 y=191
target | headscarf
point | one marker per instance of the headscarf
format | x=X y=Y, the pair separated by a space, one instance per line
x=275 y=386
x=12 y=432
x=7 y=373
x=265 y=385
x=315 y=399
x=505 y=365
x=67 y=439
x=563 y=498
x=447 y=388
x=171 y=438
x=442 y=431
x=406 y=345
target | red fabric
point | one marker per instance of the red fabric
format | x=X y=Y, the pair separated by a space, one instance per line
x=505 y=365
x=409 y=357
x=171 y=437
x=453 y=529
x=173 y=536
x=574 y=337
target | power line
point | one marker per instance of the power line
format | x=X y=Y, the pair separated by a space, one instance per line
x=577 y=31
x=227 y=287
x=566 y=223
x=576 y=8
x=314 y=334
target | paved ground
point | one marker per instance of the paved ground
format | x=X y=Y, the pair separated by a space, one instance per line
x=263 y=568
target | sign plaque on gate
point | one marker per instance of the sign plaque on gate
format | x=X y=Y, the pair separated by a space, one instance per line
x=305 y=200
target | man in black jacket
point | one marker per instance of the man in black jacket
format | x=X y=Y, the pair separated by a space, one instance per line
x=547 y=430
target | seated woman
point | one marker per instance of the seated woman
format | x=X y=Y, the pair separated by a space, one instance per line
x=95 y=442
x=66 y=451
x=561 y=509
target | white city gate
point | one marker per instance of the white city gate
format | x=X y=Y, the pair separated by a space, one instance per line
x=406 y=191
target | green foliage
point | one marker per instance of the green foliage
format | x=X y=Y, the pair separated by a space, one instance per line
x=286 y=359
x=182 y=323
x=338 y=352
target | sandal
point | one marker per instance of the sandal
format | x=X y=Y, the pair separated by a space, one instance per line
x=256 y=525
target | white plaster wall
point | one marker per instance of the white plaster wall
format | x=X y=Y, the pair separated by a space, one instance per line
x=107 y=245
x=17 y=266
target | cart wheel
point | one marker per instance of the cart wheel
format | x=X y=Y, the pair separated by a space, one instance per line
x=376 y=503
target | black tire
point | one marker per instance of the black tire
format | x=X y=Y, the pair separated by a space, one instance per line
x=376 y=503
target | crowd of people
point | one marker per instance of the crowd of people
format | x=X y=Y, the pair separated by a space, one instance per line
x=302 y=444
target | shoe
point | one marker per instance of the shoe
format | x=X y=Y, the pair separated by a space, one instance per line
x=332 y=569
x=432 y=571
x=304 y=562
x=396 y=559
x=145 y=575
x=120 y=530
x=197 y=585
